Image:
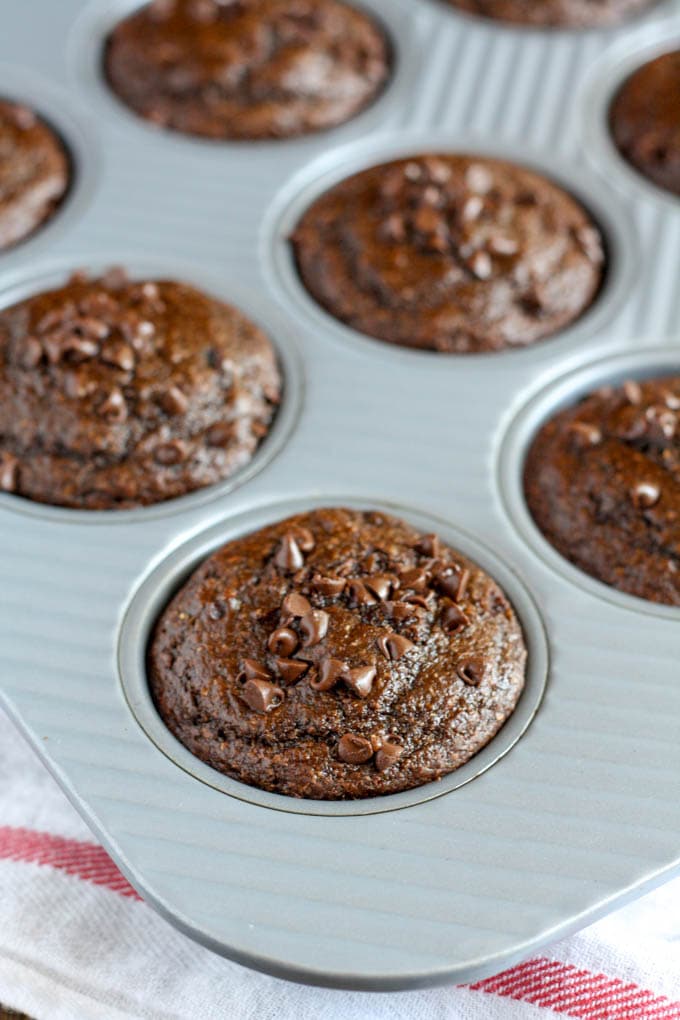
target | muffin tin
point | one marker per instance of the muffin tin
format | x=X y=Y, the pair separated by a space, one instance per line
x=575 y=805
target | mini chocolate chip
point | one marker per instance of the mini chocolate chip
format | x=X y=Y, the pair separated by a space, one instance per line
x=282 y=641
x=645 y=495
x=359 y=593
x=254 y=670
x=30 y=353
x=393 y=646
x=401 y=611
x=394 y=228
x=428 y=546
x=632 y=391
x=360 y=680
x=314 y=627
x=416 y=579
x=75 y=348
x=479 y=179
x=9 y=472
x=290 y=670
x=584 y=434
x=480 y=265
x=118 y=354
x=115 y=278
x=328 y=586
x=328 y=674
x=503 y=245
x=220 y=434
x=262 y=696
x=472 y=208
x=304 y=538
x=288 y=557
x=113 y=407
x=416 y=600
x=471 y=671
x=354 y=750
x=296 y=605
x=452 y=581
x=387 y=755
x=590 y=242
x=412 y=171
x=453 y=618
x=380 y=585
x=173 y=401
x=170 y=453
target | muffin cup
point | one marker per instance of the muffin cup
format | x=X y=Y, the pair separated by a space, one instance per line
x=58 y=110
x=264 y=314
x=297 y=194
x=512 y=451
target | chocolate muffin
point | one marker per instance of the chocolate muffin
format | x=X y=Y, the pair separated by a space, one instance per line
x=249 y=69
x=116 y=393
x=602 y=480
x=457 y=254
x=34 y=172
x=556 y=13
x=338 y=654
x=645 y=121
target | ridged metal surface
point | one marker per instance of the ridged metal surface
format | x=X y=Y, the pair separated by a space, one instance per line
x=585 y=809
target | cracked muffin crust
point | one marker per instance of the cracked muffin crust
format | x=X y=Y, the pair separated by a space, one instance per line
x=602 y=481
x=454 y=253
x=247 y=69
x=556 y=13
x=34 y=172
x=645 y=121
x=337 y=654
x=117 y=393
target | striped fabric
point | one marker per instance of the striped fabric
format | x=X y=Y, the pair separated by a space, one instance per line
x=76 y=941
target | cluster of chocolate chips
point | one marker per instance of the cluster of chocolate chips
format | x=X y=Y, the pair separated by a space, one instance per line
x=426 y=207
x=407 y=601
x=653 y=428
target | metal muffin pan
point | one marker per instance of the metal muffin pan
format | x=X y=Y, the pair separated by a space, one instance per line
x=541 y=837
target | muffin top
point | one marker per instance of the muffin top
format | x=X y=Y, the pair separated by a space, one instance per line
x=457 y=254
x=337 y=654
x=116 y=393
x=602 y=480
x=645 y=121
x=247 y=69
x=556 y=13
x=34 y=172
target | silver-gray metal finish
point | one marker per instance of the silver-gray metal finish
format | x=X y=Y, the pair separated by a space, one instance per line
x=541 y=837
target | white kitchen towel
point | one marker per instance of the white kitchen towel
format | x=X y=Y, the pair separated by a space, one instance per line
x=77 y=943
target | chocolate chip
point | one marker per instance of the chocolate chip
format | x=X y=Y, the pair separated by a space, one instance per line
x=113 y=407
x=282 y=641
x=503 y=245
x=645 y=495
x=387 y=755
x=354 y=750
x=170 y=453
x=480 y=265
x=632 y=391
x=23 y=118
x=359 y=594
x=68 y=347
x=254 y=670
x=328 y=674
x=360 y=680
x=394 y=228
x=478 y=178
x=393 y=646
x=9 y=472
x=304 y=538
x=416 y=600
x=380 y=585
x=331 y=587
x=428 y=546
x=416 y=579
x=584 y=434
x=472 y=208
x=291 y=670
x=173 y=401
x=471 y=671
x=288 y=556
x=115 y=278
x=220 y=434
x=314 y=627
x=590 y=242
x=30 y=353
x=118 y=354
x=453 y=618
x=262 y=696
x=296 y=605
x=452 y=581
